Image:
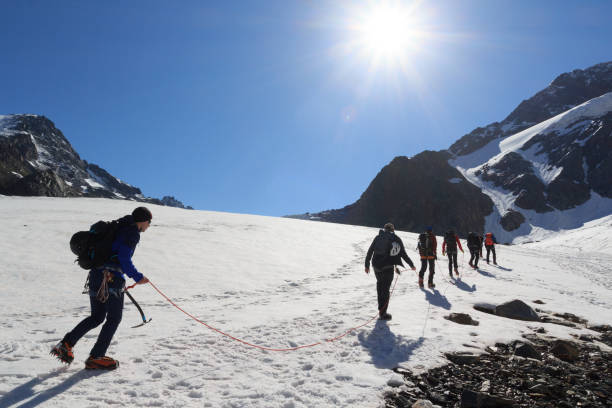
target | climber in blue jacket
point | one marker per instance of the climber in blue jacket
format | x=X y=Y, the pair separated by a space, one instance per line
x=106 y=289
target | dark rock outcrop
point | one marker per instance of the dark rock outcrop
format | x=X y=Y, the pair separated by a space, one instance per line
x=37 y=160
x=512 y=220
x=417 y=192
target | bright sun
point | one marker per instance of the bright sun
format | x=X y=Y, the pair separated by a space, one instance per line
x=388 y=33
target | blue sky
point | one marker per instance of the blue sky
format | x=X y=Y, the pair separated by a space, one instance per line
x=279 y=107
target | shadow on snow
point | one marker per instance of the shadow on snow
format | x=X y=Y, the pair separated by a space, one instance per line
x=464 y=286
x=437 y=299
x=26 y=390
x=387 y=349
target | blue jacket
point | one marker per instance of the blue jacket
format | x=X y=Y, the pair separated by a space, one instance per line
x=124 y=246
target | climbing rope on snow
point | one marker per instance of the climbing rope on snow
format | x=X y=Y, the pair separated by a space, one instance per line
x=329 y=340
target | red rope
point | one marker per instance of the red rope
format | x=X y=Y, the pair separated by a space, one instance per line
x=330 y=340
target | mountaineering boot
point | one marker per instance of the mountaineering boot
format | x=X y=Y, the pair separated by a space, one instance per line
x=471 y=264
x=420 y=282
x=494 y=263
x=430 y=285
x=385 y=316
x=456 y=271
x=63 y=352
x=101 y=363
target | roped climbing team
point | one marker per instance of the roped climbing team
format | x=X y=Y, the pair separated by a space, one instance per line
x=387 y=251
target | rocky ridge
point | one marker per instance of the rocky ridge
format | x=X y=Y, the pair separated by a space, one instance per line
x=36 y=159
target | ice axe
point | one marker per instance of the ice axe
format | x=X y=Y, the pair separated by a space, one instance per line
x=142 y=315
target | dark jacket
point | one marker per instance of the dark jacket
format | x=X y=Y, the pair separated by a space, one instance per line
x=430 y=252
x=124 y=246
x=474 y=242
x=451 y=248
x=386 y=239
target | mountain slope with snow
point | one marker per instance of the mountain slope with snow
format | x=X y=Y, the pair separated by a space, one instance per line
x=557 y=175
x=273 y=282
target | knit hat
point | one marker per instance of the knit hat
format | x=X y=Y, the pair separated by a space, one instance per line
x=389 y=227
x=141 y=214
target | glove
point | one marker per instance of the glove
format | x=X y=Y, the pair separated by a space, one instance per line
x=442 y=253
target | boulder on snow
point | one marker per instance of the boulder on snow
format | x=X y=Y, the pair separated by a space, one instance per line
x=462 y=318
x=518 y=310
x=485 y=307
x=564 y=350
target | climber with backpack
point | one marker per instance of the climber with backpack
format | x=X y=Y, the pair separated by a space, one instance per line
x=116 y=241
x=474 y=242
x=490 y=242
x=427 y=247
x=451 y=241
x=385 y=252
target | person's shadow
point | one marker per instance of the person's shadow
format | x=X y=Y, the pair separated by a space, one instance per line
x=464 y=286
x=485 y=273
x=26 y=390
x=387 y=349
x=504 y=269
x=437 y=299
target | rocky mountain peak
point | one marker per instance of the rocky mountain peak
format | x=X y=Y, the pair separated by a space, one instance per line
x=37 y=159
x=564 y=92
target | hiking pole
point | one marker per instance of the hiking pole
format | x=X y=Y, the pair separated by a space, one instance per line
x=142 y=315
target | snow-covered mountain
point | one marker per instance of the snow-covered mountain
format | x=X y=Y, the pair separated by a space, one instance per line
x=553 y=176
x=546 y=167
x=272 y=282
x=36 y=159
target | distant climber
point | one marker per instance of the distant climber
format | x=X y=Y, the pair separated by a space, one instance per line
x=451 y=241
x=474 y=242
x=386 y=251
x=427 y=247
x=490 y=242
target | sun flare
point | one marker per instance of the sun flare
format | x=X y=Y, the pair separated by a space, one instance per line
x=386 y=32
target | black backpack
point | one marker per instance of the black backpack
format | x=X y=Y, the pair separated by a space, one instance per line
x=424 y=243
x=473 y=240
x=383 y=245
x=451 y=242
x=93 y=248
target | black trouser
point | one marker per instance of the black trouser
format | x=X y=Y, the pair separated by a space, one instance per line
x=111 y=310
x=384 y=279
x=474 y=252
x=491 y=248
x=452 y=261
x=432 y=269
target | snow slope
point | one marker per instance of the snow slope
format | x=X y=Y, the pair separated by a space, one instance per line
x=274 y=282
x=538 y=225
